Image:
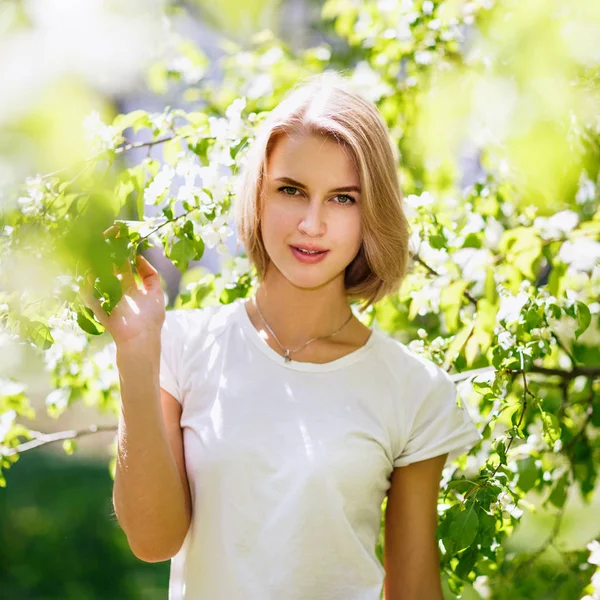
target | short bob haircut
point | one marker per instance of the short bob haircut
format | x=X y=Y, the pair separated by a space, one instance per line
x=325 y=105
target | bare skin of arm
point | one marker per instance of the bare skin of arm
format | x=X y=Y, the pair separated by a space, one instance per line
x=151 y=494
x=411 y=557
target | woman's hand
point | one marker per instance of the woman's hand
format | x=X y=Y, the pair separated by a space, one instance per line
x=139 y=315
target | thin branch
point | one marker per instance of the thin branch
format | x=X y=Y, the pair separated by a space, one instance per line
x=42 y=439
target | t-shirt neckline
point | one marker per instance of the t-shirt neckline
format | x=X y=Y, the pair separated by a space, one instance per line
x=338 y=363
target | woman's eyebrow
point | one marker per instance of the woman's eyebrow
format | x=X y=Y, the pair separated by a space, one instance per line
x=349 y=188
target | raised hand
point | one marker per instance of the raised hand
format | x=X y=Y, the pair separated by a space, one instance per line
x=139 y=315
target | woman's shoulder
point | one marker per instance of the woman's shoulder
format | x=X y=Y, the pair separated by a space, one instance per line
x=404 y=360
x=193 y=322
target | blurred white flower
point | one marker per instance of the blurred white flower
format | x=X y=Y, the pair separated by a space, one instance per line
x=235 y=129
x=473 y=263
x=582 y=254
x=58 y=398
x=7 y=420
x=427 y=7
x=423 y=57
x=215 y=233
x=481 y=586
x=493 y=233
x=367 y=82
x=594 y=548
x=102 y=137
x=11 y=388
x=510 y=306
x=557 y=225
x=159 y=185
x=31 y=202
x=68 y=338
x=587 y=189
x=506 y=340
x=190 y=72
x=213 y=181
x=162 y=122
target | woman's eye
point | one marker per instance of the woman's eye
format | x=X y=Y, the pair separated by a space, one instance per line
x=285 y=189
x=291 y=191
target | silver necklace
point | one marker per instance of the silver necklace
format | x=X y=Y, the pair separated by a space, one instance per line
x=289 y=351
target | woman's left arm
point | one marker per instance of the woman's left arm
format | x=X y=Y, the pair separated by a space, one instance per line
x=411 y=557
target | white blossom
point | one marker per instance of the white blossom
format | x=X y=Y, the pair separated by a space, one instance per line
x=557 y=225
x=58 y=398
x=493 y=233
x=101 y=136
x=190 y=72
x=162 y=122
x=506 y=340
x=510 y=306
x=481 y=586
x=423 y=57
x=31 y=202
x=582 y=254
x=68 y=337
x=594 y=548
x=159 y=185
x=7 y=420
x=427 y=7
x=105 y=361
x=11 y=388
x=587 y=189
x=367 y=82
x=473 y=263
x=214 y=233
x=213 y=181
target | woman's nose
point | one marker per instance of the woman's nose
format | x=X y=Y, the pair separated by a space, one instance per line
x=313 y=221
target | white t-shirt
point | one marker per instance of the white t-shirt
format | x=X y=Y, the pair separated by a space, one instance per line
x=289 y=463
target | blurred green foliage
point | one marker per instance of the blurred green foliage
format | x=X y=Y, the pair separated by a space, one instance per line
x=59 y=540
x=493 y=110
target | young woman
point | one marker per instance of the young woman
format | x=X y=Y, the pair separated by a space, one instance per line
x=257 y=440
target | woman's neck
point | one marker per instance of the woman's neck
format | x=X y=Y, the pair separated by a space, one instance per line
x=297 y=315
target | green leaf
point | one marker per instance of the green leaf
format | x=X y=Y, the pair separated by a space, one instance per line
x=583 y=316
x=552 y=429
x=522 y=248
x=463 y=528
x=38 y=332
x=451 y=299
x=182 y=252
x=529 y=473
x=110 y=286
x=135 y=119
x=87 y=322
x=171 y=149
x=558 y=495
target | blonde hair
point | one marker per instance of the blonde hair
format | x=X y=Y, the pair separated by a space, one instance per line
x=325 y=105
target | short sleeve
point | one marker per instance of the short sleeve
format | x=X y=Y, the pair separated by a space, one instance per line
x=439 y=425
x=171 y=350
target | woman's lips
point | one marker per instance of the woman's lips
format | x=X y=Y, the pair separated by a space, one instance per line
x=308 y=258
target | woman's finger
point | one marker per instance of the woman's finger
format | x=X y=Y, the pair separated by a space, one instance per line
x=146 y=271
x=125 y=274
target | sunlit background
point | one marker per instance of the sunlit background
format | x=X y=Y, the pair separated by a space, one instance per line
x=515 y=104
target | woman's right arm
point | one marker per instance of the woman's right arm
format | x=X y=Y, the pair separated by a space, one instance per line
x=151 y=493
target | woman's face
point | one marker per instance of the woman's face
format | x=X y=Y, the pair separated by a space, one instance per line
x=311 y=197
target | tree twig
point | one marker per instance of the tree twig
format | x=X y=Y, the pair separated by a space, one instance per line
x=42 y=439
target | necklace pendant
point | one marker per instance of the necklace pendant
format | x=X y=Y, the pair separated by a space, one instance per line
x=287 y=358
